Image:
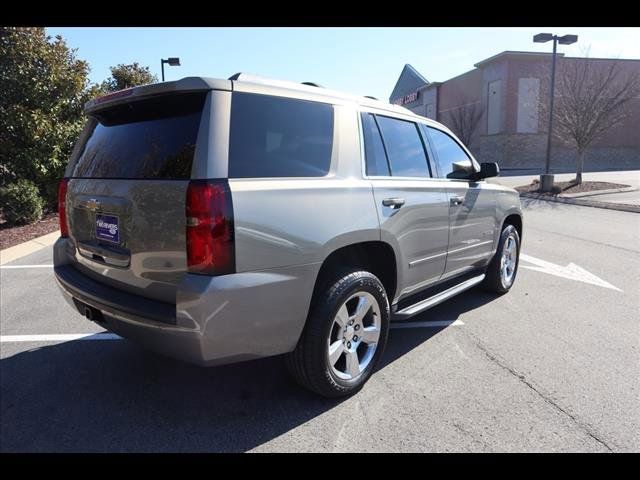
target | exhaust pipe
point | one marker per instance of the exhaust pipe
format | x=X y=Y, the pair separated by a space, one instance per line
x=93 y=314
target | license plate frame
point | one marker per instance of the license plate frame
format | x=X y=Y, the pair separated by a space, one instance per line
x=107 y=228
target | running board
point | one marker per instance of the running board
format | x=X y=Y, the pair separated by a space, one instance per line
x=427 y=303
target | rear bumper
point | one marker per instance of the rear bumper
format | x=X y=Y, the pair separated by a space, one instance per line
x=214 y=320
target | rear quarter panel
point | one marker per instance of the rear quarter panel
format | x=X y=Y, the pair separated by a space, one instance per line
x=280 y=223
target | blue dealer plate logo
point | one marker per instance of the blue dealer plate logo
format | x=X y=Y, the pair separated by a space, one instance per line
x=107 y=228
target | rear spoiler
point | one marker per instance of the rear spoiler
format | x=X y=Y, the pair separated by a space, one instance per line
x=187 y=84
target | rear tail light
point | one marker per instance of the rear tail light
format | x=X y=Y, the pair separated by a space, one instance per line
x=62 y=207
x=210 y=235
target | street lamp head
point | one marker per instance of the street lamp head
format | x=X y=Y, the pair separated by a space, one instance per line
x=543 y=37
x=567 y=39
x=172 y=61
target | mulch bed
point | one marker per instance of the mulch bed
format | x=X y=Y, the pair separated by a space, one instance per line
x=10 y=236
x=569 y=187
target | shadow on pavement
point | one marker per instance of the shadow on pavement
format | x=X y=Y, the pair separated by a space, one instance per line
x=95 y=396
x=402 y=341
x=528 y=202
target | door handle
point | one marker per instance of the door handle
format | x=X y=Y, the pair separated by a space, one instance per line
x=393 y=202
x=456 y=200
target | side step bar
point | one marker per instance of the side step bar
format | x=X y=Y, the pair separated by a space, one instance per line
x=427 y=303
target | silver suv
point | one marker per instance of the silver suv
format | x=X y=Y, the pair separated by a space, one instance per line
x=218 y=221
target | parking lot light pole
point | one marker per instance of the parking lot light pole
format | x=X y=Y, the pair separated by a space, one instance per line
x=172 y=61
x=546 y=179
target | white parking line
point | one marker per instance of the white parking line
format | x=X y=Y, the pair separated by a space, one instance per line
x=433 y=324
x=25 y=266
x=64 y=337
x=67 y=337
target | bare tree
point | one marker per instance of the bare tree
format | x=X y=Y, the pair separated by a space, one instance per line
x=591 y=98
x=465 y=119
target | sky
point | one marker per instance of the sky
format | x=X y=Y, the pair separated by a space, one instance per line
x=363 y=61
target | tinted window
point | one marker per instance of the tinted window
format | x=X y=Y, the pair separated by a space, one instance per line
x=279 y=137
x=448 y=153
x=152 y=138
x=375 y=157
x=404 y=147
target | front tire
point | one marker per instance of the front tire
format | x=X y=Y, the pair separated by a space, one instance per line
x=501 y=272
x=345 y=335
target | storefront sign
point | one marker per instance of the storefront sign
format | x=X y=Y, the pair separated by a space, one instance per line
x=410 y=98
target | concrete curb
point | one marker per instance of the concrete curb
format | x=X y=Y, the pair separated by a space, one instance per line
x=583 y=202
x=23 y=249
x=599 y=192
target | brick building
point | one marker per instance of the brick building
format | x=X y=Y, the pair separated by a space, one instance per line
x=506 y=91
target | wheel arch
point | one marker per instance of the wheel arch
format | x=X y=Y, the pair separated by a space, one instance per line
x=375 y=256
x=513 y=218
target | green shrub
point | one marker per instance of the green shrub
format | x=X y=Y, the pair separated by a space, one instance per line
x=49 y=194
x=43 y=87
x=21 y=202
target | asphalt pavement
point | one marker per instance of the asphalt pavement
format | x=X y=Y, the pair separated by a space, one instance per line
x=551 y=366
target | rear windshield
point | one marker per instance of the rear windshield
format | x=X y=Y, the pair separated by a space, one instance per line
x=153 y=138
x=279 y=137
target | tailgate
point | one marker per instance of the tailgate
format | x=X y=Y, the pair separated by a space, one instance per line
x=126 y=193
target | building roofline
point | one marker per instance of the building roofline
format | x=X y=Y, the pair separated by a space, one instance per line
x=462 y=74
x=429 y=85
x=610 y=59
x=412 y=68
x=509 y=53
x=435 y=84
x=407 y=67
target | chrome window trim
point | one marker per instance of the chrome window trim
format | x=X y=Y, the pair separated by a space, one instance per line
x=363 y=161
x=429 y=150
x=474 y=162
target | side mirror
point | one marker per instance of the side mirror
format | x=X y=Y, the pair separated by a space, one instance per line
x=462 y=170
x=488 y=170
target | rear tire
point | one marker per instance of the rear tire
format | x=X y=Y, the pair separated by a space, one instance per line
x=503 y=268
x=344 y=337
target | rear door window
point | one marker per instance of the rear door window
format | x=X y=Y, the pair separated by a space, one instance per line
x=279 y=137
x=407 y=157
x=375 y=156
x=153 y=138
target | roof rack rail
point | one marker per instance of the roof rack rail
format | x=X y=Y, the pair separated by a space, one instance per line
x=273 y=82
